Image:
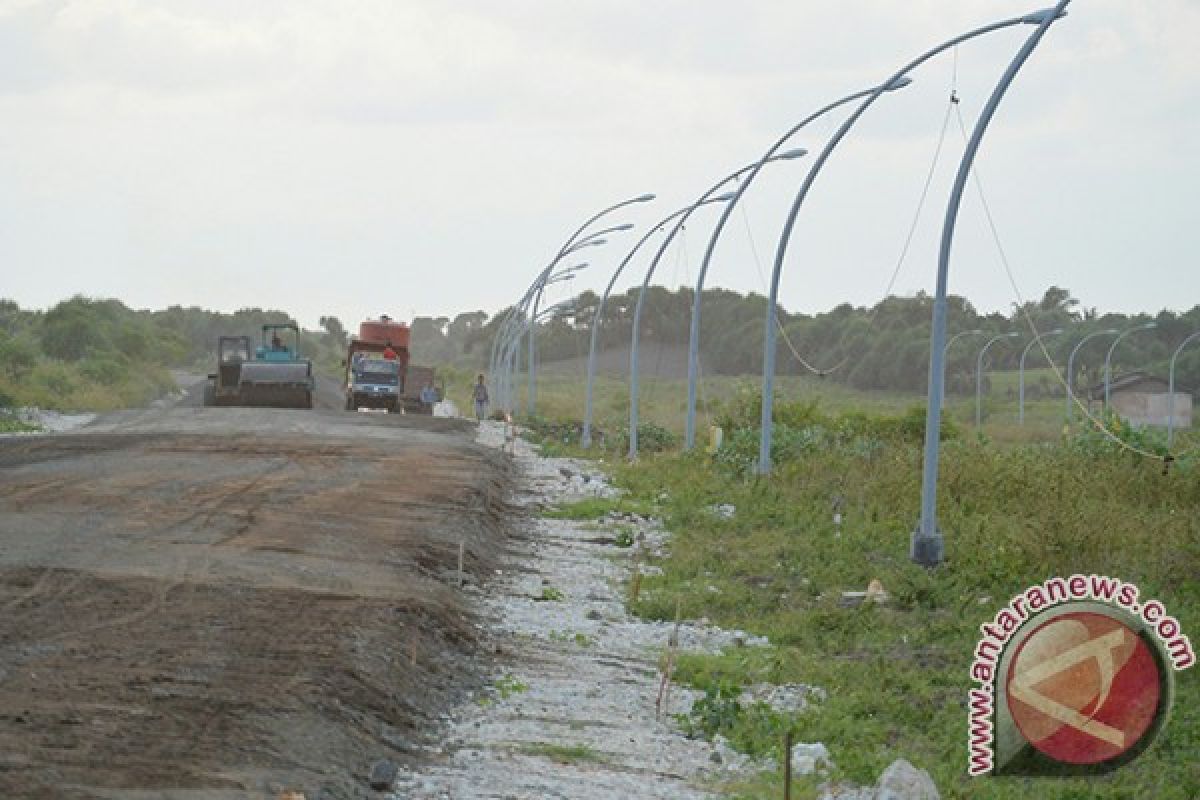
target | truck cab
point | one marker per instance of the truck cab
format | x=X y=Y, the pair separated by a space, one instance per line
x=374 y=382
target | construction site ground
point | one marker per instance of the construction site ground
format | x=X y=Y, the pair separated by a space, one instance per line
x=211 y=603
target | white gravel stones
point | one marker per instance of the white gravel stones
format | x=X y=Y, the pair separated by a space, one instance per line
x=902 y=781
x=724 y=510
x=53 y=421
x=445 y=409
x=808 y=757
x=572 y=713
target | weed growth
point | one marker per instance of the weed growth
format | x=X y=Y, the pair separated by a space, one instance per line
x=896 y=675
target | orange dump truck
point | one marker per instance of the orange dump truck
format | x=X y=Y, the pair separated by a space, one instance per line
x=377 y=378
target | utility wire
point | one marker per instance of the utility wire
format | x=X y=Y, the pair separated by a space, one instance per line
x=1096 y=423
x=891 y=284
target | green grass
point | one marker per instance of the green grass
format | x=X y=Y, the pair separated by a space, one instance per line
x=551 y=594
x=1018 y=503
x=663 y=403
x=897 y=675
x=562 y=753
x=10 y=424
x=86 y=386
x=591 y=508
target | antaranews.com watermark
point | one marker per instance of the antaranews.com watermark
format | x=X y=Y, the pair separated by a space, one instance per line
x=1075 y=675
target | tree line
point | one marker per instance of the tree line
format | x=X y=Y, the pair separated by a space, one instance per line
x=92 y=353
x=89 y=352
x=885 y=346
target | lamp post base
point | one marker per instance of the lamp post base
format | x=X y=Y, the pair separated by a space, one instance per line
x=927 y=549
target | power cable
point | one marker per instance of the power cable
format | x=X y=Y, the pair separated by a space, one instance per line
x=891 y=284
x=1096 y=423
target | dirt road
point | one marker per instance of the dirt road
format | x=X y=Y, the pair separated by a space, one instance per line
x=205 y=604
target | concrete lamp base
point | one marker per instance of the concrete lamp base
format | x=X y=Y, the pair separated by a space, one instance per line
x=928 y=550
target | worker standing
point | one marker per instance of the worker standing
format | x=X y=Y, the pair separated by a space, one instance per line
x=429 y=396
x=389 y=353
x=481 y=399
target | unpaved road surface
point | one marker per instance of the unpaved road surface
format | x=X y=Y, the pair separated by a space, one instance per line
x=203 y=604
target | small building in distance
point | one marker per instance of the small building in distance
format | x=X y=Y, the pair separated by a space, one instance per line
x=1143 y=400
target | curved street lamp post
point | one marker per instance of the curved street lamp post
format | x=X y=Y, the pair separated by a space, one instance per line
x=1108 y=358
x=707 y=197
x=979 y=376
x=1042 y=20
x=694 y=328
x=572 y=243
x=1071 y=365
x=927 y=546
x=949 y=344
x=1021 y=372
x=531 y=358
x=510 y=347
x=597 y=317
x=1171 y=388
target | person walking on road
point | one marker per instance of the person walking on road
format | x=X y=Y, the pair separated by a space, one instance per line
x=481 y=399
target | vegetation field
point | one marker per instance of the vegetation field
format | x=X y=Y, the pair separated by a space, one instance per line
x=1016 y=509
x=663 y=403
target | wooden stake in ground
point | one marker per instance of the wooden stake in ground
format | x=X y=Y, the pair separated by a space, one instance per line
x=664 y=687
x=787 y=766
x=635 y=582
x=461 y=553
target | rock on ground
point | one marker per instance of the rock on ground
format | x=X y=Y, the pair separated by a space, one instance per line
x=902 y=781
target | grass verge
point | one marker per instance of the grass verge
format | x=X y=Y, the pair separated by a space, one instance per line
x=897 y=675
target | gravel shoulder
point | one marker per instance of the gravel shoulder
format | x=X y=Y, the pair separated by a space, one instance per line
x=573 y=710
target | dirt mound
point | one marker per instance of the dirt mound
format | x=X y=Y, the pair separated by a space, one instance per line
x=233 y=613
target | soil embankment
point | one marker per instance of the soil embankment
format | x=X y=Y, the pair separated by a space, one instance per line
x=210 y=603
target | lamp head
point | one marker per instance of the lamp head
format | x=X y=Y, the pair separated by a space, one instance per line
x=626 y=226
x=643 y=198
x=1038 y=17
x=724 y=198
x=788 y=155
x=898 y=83
x=1149 y=325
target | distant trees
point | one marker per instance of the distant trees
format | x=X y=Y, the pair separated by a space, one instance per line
x=98 y=353
x=885 y=346
x=333 y=327
x=84 y=342
x=441 y=340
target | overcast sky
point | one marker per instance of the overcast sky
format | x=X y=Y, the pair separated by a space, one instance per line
x=430 y=157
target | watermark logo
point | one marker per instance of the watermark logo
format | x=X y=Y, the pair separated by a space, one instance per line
x=1075 y=676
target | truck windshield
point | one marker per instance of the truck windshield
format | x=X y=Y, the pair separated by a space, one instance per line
x=380 y=372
